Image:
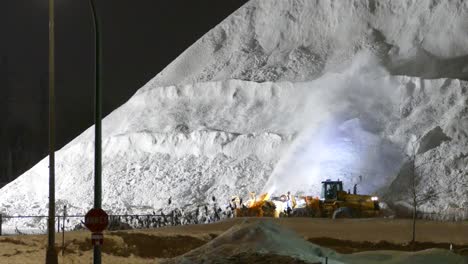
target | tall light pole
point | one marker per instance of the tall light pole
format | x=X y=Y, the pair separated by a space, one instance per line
x=97 y=120
x=51 y=253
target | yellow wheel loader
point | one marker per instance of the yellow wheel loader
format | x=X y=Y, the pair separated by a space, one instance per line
x=337 y=203
x=333 y=203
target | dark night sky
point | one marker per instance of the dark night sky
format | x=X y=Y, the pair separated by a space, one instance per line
x=140 y=38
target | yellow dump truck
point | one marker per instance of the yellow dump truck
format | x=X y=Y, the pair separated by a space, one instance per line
x=334 y=202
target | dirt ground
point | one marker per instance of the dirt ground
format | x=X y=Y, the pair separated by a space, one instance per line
x=146 y=246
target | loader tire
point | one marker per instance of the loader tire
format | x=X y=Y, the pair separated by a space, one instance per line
x=342 y=212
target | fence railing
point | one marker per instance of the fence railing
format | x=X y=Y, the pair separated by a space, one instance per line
x=76 y=222
x=37 y=224
x=117 y=222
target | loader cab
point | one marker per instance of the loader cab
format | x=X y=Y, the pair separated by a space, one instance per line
x=330 y=189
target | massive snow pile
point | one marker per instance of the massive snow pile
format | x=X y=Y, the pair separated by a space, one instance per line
x=329 y=106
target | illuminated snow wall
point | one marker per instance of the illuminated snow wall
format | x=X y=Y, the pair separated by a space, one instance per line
x=343 y=136
x=337 y=151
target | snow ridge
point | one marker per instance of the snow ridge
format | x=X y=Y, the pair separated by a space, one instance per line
x=299 y=40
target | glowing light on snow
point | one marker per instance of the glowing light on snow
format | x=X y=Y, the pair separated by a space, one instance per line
x=335 y=151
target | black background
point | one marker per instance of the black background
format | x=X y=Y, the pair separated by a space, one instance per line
x=140 y=38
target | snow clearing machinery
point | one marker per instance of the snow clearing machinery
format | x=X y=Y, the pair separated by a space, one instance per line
x=333 y=203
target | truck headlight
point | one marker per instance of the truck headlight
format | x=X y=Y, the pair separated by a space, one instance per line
x=374 y=198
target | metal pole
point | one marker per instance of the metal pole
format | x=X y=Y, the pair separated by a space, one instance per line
x=1 y=222
x=63 y=229
x=51 y=254
x=97 y=120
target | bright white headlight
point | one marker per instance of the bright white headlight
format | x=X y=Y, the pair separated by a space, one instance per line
x=374 y=198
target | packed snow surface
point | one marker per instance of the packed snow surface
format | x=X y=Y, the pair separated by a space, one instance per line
x=282 y=95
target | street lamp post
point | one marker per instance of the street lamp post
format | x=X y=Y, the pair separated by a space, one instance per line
x=51 y=253
x=97 y=120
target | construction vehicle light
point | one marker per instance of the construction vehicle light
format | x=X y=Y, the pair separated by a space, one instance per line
x=374 y=198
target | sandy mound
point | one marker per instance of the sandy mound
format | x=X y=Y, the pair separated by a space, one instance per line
x=255 y=241
x=253 y=236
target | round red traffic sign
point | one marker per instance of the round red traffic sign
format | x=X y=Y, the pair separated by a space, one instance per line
x=96 y=220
